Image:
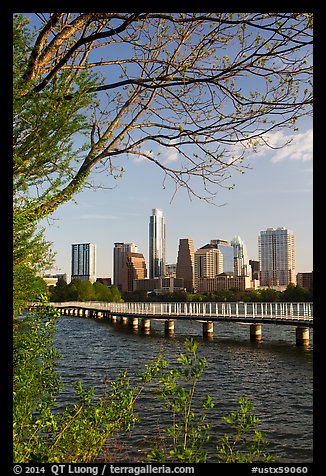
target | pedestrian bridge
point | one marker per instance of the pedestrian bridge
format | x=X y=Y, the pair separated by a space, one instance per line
x=298 y=314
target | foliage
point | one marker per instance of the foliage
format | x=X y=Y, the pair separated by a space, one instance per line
x=189 y=432
x=293 y=293
x=296 y=293
x=34 y=380
x=30 y=249
x=44 y=126
x=26 y=288
x=247 y=444
x=83 y=290
x=31 y=255
x=79 y=434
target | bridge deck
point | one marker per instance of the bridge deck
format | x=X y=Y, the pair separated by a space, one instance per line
x=294 y=314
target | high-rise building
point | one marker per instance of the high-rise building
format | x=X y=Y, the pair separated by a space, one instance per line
x=241 y=262
x=228 y=254
x=120 y=251
x=83 y=262
x=156 y=244
x=208 y=263
x=276 y=256
x=170 y=270
x=255 y=269
x=186 y=263
x=134 y=268
x=305 y=280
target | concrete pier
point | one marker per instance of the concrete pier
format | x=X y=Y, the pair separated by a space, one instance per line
x=208 y=329
x=169 y=327
x=255 y=314
x=255 y=332
x=133 y=321
x=146 y=324
x=302 y=335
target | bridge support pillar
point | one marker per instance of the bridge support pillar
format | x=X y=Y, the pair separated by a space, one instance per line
x=255 y=332
x=134 y=322
x=106 y=315
x=169 y=327
x=302 y=335
x=146 y=324
x=208 y=329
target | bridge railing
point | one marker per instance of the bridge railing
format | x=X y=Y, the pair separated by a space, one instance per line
x=272 y=310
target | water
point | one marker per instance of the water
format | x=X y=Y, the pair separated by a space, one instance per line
x=275 y=375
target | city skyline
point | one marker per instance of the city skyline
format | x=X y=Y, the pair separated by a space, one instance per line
x=276 y=191
x=130 y=248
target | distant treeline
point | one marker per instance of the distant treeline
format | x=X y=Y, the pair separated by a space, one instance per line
x=79 y=290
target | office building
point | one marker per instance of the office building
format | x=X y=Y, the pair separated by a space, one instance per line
x=228 y=254
x=170 y=270
x=222 y=282
x=83 y=262
x=277 y=257
x=305 y=280
x=133 y=268
x=208 y=263
x=186 y=263
x=240 y=257
x=255 y=269
x=120 y=252
x=160 y=285
x=156 y=244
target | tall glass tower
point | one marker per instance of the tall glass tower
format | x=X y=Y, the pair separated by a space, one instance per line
x=83 y=261
x=241 y=262
x=156 y=244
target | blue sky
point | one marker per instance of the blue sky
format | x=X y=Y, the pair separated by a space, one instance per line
x=276 y=191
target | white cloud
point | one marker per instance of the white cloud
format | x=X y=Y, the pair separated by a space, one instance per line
x=300 y=146
x=170 y=154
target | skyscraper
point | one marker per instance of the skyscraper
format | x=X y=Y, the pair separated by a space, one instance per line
x=134 y=268
x=241 y=262
x=156 y=244
x=186 y=263
x=276 y=256
x=208 y=262
x=83 y=262
x=120 y=251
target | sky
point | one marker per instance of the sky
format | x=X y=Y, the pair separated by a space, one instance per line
x=275 y=192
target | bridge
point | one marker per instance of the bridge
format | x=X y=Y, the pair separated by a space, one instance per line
x=298 y=314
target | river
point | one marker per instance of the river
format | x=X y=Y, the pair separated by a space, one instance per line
x=275 y=374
